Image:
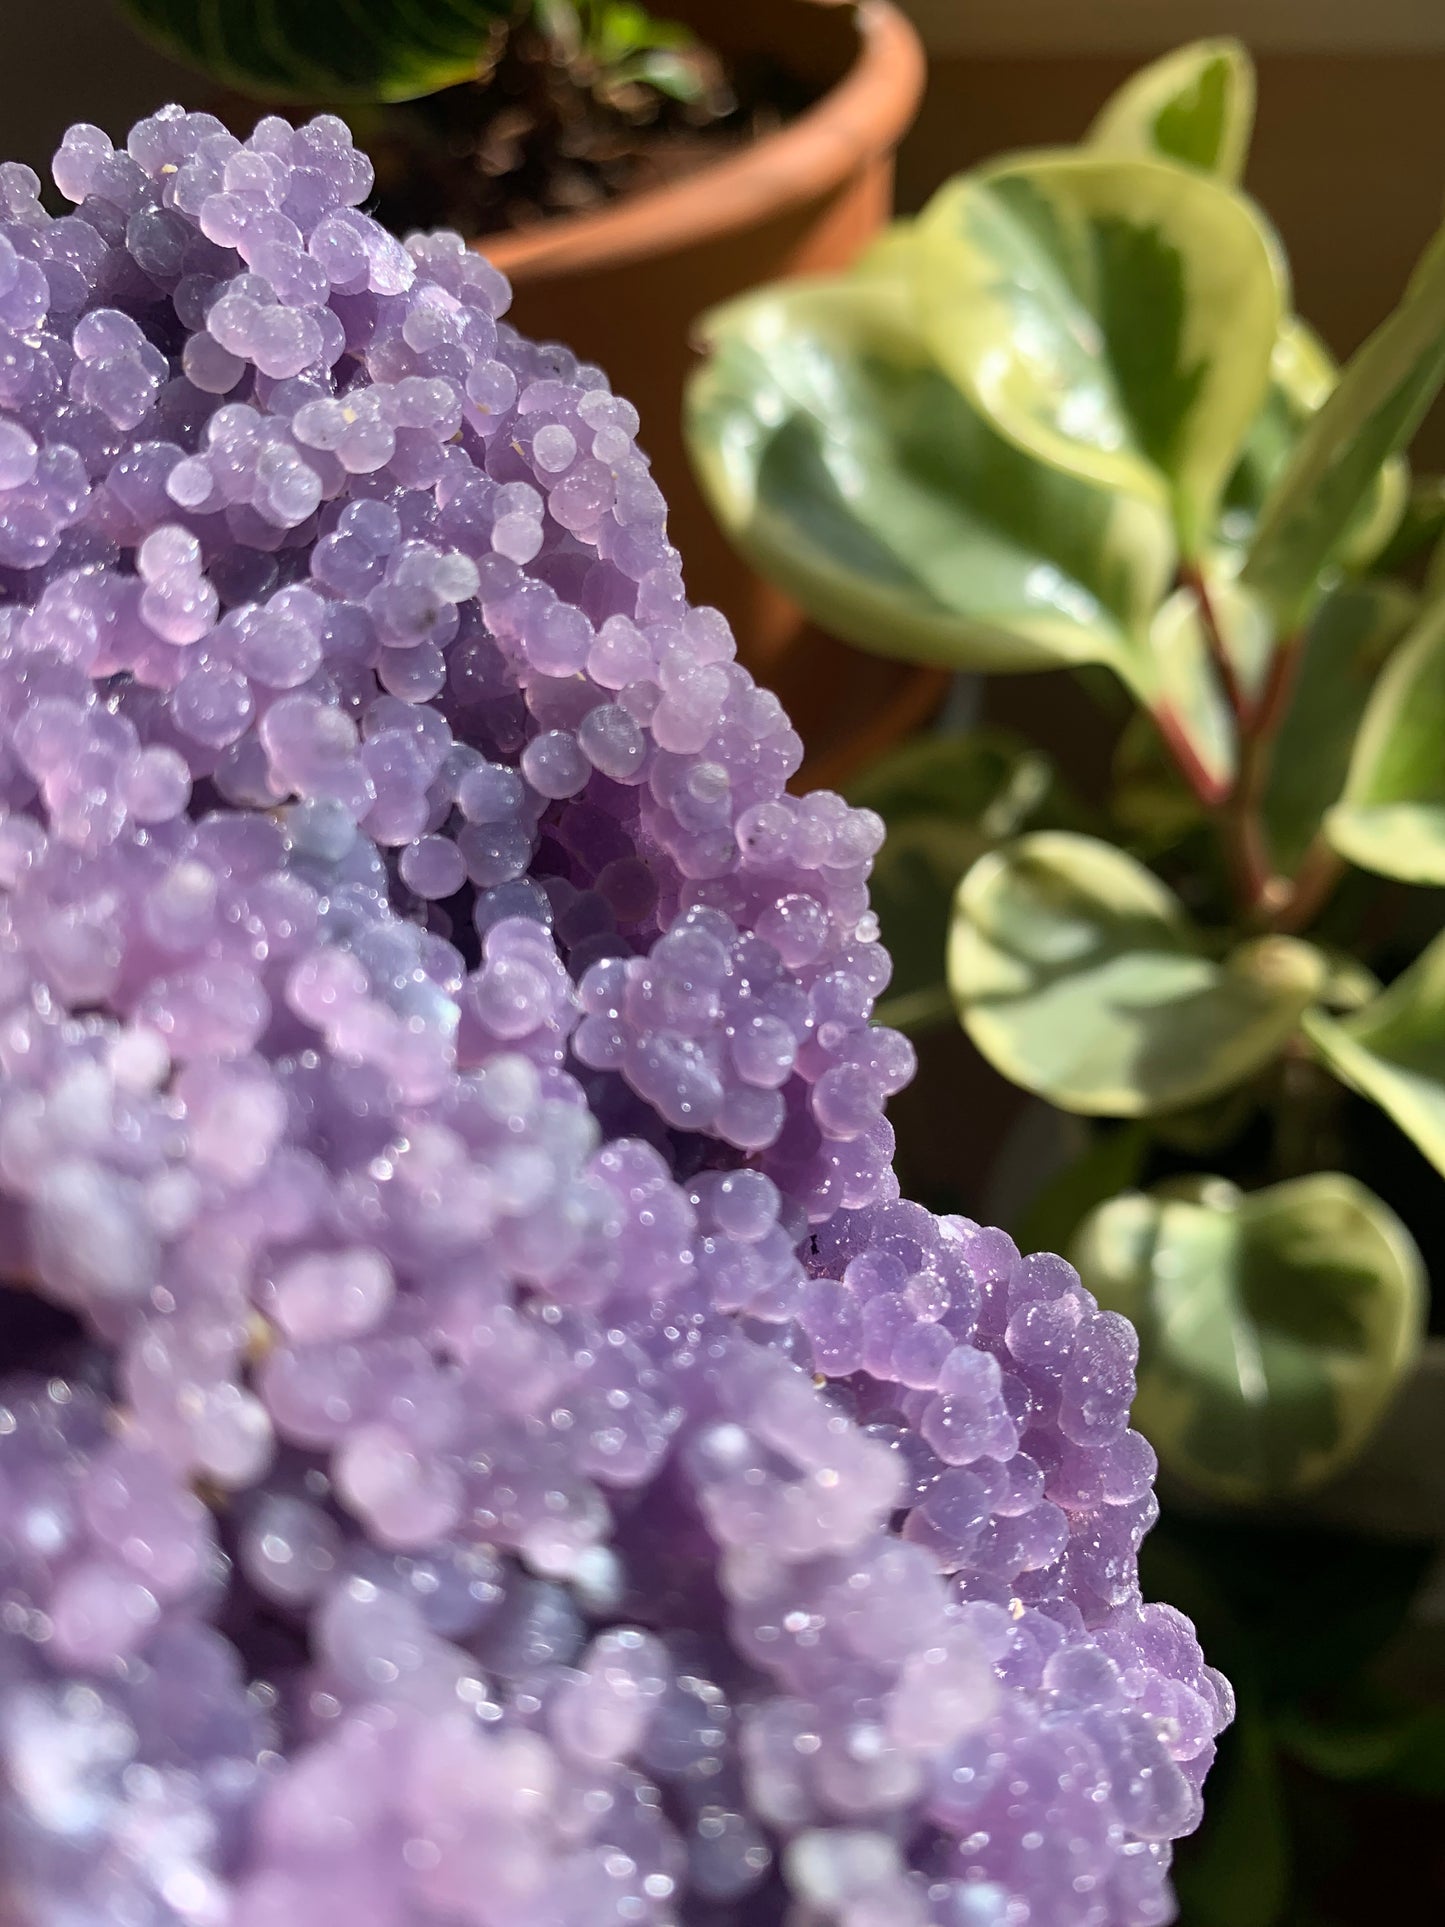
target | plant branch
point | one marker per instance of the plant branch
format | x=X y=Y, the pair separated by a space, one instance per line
x=1205 y=787
x=1191 y=576
x=1314 y=884
x=1263 y=893
x=1277 y=694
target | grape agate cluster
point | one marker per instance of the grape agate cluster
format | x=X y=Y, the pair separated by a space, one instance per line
x=482 y=1442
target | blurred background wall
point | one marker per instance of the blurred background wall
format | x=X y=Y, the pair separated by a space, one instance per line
x=1349 y=157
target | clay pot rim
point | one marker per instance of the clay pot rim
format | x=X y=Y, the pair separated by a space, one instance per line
x=861 y=118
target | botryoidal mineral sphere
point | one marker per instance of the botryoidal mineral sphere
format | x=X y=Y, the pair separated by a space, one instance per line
x=482 y=1442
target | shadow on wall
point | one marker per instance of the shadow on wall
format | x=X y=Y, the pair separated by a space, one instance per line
x=1349 y=157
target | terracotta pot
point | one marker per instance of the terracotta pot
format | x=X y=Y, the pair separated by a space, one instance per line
x=624 y=286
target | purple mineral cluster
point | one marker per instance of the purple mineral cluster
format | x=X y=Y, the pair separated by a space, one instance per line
x=482 y=1443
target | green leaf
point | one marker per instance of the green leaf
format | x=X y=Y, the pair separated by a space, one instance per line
x=1350 y=637
x=1393 y=1051
x=1113 y=316
x=1273 y=1328
x=1317 y=501
x=1303 y=374
x=332 y=50
x=1420 y=526
x=1391 y=817
x=945 y=800
x=850 y=470
x=1196 y=105
x=1080 y=977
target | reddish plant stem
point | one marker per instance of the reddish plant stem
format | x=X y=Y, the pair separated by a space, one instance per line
x=1263 y=894
x=1206 y=788
x=1247 y=851
x=1277 y=695
x=1314 y=884
x=1191 y=577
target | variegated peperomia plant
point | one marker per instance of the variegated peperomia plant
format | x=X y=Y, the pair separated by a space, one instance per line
x=1065 y=418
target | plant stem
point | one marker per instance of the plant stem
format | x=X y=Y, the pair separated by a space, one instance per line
x=1191 y=577
x=1206 y=788
x=1278 y=693
x=1238 y=807
x=1246 y=849
x=1314 y=884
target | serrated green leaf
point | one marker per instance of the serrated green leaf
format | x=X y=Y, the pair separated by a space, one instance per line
x=849 y=469
x=1393 y=1051
x=1273 y=1329
x=1391 y=817
x=1113 y=316
x=1079 y=976
x=1196 y=106
x=333 y=50
x=1317 y=500
x=945 y=800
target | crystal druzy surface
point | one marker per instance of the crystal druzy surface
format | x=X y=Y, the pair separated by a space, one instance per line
x=481 y=1440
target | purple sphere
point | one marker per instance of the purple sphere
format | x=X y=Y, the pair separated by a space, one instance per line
x=481 y=1440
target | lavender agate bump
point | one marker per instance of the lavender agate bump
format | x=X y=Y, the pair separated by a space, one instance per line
x=482 y=1443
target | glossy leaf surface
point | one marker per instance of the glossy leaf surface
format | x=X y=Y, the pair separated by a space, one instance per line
x=1114 y=316
x=849 y=469
x=1393 y=1051
x=1273 y=1328
x=1391 y=817
x=1079 y=976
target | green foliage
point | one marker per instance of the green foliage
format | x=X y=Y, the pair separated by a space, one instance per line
x=625 y=43
x=1067 y=419
x=1393 y=1051
x=1079 y=976
x=1351 y=637
x=846 y=465
x=946 y=800
x=362 y=51
x=1391 y=816
x=1114 y=317
x=1194 y=106
x=1273 y=1328
x=335 y=50
x=1368 y=417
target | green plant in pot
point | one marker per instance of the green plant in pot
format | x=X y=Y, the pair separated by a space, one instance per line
x=1067 y=418
x=486 y=113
